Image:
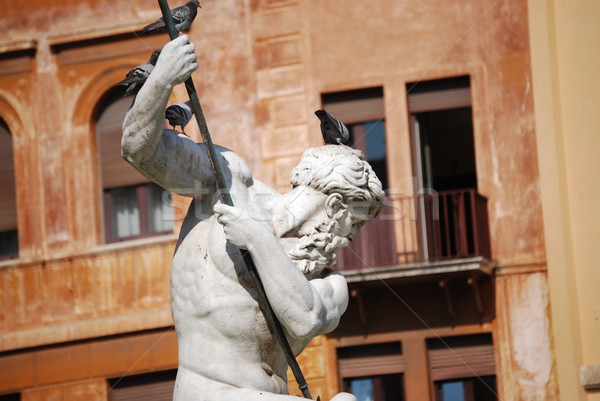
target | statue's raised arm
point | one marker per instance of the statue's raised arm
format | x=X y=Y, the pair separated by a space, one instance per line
x=171 y=160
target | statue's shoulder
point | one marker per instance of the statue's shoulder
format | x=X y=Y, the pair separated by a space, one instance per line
x=234 y=166
x=236 y=169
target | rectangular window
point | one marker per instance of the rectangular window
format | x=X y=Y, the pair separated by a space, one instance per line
x=452 y=216
x=373 y=372
x=463 y=368
x=482 y=388
x=133 y=207
x=442 y=134
x=376 y=388
x=137 y=211
x=363 y=113
x=369 y=137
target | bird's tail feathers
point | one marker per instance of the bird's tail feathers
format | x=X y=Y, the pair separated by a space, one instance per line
x=153 y=27
x=131 y=90
x=128 y=80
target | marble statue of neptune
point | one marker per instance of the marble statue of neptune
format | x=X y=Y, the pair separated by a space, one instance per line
x=227 y=351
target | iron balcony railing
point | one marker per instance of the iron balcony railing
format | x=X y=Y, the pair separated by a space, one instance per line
x=428 y=227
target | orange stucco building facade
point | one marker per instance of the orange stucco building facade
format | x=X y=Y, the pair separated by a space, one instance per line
x=503 y=270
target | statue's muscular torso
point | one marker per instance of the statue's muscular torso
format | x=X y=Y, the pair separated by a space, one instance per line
x=220 y=326
x=226 y=351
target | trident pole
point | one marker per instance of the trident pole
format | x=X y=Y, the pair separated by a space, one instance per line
x=268 y=312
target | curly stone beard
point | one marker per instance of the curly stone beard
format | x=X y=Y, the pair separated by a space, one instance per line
x=316 y=250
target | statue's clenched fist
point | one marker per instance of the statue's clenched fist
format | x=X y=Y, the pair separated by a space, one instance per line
x=177 y=61
x=239 y=227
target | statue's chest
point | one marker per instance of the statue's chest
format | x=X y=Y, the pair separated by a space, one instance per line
x=226 y=259
x=206 y=267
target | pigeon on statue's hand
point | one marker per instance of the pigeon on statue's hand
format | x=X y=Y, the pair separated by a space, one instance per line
x=136 y=77
x=179 y=114
x=333 y=130
x=182 y=17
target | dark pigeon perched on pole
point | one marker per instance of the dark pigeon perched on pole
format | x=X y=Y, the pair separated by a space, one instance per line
x=182 y=16
x=333 y=130
x=179 y=114
x=136 y=77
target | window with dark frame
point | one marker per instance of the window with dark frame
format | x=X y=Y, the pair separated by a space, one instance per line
x=452 y=215
x=133 y=207
x=481 y=388
x=363 y=113
x=442 y=133
x=373 y=372
x=137 y=211
x=376 y=388
x=463 y=368
x=9 y=239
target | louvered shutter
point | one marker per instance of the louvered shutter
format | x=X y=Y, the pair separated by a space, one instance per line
x=357 y=110
x=8 y=206
x=115 y=171
x=441 y=94
x=156 y=386
x=159 y=391
x=370 y=360
x=357 y=106
x=439 y=100
x=371 y=365
x=461 y=362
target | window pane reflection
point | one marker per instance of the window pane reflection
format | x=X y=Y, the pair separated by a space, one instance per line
x=369 y=137
x=125 y=214
x=362 y=389
x=453 y=391
x=482 y=388
x=375 y=138
x=160 y=209
x=377 y=388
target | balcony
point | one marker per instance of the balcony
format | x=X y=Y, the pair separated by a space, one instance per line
x=434 y=232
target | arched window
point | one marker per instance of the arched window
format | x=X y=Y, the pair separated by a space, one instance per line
x=133 y=206
x=9 y=242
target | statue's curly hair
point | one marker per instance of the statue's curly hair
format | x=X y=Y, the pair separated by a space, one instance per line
x=340 y=169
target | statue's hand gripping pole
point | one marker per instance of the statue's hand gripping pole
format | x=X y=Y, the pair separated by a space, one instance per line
x=270 y=316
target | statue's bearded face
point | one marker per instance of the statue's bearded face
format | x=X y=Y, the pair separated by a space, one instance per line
x=316 y=250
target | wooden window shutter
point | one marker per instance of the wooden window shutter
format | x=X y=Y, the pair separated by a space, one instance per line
x=439 y=100
x=440 y=94
x=370 y=360
x=461 y=361
x=355 y=106
x=157 y=386
x=115 y=171
x=371 y=366
x=8 y=206
x=159 y=391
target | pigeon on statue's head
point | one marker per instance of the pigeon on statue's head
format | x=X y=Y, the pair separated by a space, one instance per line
x=136 y=77
x=182 y=17
x=333 y=130
x=179 y=114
